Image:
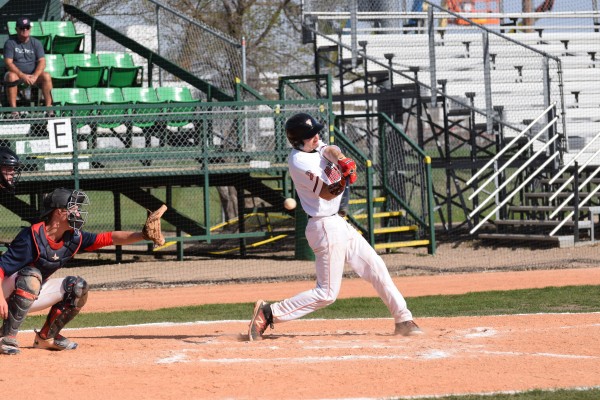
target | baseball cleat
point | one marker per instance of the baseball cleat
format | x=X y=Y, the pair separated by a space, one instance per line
x=58 y=343
x=9 y=346
x=407 y=328
x=259 y=321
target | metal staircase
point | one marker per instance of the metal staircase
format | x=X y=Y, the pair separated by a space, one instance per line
x=548 y=201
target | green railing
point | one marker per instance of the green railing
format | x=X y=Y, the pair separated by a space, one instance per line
x=394 y=167
x=133 y=157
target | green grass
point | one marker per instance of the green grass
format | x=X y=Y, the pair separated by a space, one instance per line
x=592 y=394
x=548 y=300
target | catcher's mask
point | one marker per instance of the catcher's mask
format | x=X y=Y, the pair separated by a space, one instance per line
x=301 y=127
x=10 y=169
x=74 y=201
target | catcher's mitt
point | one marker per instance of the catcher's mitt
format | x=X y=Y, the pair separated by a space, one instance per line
x=151 y=229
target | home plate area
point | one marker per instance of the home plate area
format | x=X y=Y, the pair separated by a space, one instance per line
x=361 y=358
x=329 y=359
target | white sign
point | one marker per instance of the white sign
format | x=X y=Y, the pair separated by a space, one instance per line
x=61 y=136
x=33 y=146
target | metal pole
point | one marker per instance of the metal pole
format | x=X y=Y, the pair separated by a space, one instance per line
x=432 y=75
x=243 y=59
x=353 y=37
x=487 y=78
x=158 y=41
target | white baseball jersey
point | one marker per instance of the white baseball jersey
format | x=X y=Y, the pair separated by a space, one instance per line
x=305 y=168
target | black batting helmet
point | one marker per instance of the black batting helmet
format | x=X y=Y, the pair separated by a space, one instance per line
x=301 y=127
x=9 y=158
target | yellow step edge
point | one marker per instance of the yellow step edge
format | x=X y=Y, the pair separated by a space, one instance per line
x=383 y=214
x=408 y=243
x=364 y=201
x=394 y=229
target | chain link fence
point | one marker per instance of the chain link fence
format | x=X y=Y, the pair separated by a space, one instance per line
x=197 y=48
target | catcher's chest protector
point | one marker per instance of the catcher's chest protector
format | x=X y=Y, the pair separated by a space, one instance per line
x=49 y=259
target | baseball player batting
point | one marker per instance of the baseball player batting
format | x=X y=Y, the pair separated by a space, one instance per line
x=39 y=251
x=320 y=174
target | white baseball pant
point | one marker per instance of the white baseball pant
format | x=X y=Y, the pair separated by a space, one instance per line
x=335 y=242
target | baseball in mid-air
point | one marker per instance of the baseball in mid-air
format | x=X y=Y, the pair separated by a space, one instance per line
x=289 y=203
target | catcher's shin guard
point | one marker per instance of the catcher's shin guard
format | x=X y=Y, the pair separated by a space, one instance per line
x=76 y=294
x=27 y=288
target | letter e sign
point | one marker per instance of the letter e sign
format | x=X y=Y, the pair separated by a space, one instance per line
x=61 y=136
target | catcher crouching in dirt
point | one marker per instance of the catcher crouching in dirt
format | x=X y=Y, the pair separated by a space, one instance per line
x=38 y=251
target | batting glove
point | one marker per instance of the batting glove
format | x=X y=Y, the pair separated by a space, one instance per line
x=348 y=169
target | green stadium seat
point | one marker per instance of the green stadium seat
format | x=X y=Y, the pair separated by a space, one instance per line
x=121 y=60
x=65 y=38
x=108 y=96
x=174 y=94
x=67 y=44
x=123 y=77
x=72 y=61
x=46 y=41
x=88 y=77
x=72 y=96
x=55 y=66
x=139 y=95
x=61 y=28
x=64 y=96
x=181 y=96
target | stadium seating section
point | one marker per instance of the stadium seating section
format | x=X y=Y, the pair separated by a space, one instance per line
x=88 y=79
x=70 y=66
x=177 y=101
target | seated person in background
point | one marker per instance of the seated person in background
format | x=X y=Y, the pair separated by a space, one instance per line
x=25 y=63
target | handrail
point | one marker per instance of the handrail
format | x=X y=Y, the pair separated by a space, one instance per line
x=584 y=201
x=513 y=141
x=425 y=223
x=579 y=188
x=514 y=192
x=564 y=185
x=567 y=165
x=515 y=174
x=514 y=157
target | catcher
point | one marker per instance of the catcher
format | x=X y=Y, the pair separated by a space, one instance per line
x=38 y=251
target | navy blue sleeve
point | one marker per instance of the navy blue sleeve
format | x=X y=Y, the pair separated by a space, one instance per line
x=21 y=252
x=87 y=240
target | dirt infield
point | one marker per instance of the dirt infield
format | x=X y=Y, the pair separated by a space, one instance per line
x=316 y=359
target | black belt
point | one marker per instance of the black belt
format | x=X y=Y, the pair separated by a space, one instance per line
x=310 y=216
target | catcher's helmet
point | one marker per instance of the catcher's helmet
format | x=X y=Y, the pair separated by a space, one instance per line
x=9 y=158
x=301 y=127
x=73 y=200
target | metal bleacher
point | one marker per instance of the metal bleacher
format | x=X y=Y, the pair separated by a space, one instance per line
x=463 y=91
x=516 y=63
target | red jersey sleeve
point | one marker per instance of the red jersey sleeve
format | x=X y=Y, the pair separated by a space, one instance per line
x=102 y=240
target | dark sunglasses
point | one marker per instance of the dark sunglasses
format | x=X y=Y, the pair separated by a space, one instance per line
x=24 y=28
